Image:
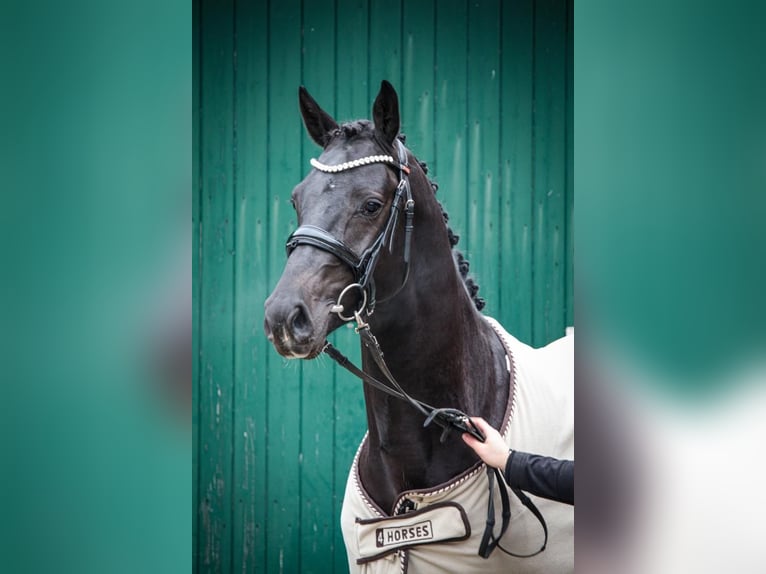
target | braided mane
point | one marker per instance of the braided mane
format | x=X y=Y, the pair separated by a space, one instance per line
x=462 y=263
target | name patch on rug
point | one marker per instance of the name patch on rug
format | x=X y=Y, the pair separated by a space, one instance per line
x=396 y=534
x=441 y=522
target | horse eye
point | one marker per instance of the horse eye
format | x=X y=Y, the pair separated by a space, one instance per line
x=372 y=207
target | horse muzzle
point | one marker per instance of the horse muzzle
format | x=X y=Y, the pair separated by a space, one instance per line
x=289 y=327
x=298 y=314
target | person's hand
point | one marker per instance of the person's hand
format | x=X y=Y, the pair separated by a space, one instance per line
x=493 y=450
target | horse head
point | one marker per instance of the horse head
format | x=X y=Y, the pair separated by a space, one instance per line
x=347 y=209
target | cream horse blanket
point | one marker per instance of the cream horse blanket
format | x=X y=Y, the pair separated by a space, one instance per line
x=444 y=531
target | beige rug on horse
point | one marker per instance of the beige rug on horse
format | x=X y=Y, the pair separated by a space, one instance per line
x=444 y=531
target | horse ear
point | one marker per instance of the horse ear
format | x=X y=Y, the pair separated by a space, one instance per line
x=318 y=122
x=385 y=112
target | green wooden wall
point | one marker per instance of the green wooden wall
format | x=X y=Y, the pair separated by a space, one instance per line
x=486 y=100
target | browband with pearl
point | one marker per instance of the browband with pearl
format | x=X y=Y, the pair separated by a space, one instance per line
x=357 y=163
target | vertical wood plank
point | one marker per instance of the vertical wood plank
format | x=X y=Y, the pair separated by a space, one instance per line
x=216 y=342
x=352 y=60
x=196 y=277
x=550 y=173
x=417 y=89
x=284 y=381
x=484 y=139
x=515 y=255
x=450 y=145
x=384 y=45
x=319 y=515
x=252 y=287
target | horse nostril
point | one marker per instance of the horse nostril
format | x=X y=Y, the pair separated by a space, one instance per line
x=299 y=323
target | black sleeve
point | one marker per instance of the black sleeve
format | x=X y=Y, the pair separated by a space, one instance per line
x=541 y=475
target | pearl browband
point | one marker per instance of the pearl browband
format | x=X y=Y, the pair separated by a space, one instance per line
x=356 y=163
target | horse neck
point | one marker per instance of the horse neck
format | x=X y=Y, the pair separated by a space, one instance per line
x=438 y=351
x=442 y=352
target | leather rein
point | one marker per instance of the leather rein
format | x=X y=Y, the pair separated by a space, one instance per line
x=363 y=267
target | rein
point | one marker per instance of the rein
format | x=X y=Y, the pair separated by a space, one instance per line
x=363 y=267
x=447 y=418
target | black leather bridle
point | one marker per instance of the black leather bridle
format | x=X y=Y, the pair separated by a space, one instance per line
x=363 y=267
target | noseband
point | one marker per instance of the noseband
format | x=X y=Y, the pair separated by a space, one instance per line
x=363 y=266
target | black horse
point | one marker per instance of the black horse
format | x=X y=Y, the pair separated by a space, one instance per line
x=368 y=218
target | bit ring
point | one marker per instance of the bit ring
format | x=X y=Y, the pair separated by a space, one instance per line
x=338 y=307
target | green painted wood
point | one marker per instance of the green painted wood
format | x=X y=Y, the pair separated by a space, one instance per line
x=451 y=104
x=486 y=99
x=252 y=287
x=516 y=261
x=196 y=276
x=483 y=146
x=550 y=171
x=385 y=45
x=216 y=298
x=416 y=90
x=352 y=60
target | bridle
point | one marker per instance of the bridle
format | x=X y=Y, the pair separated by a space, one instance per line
x=363 y=267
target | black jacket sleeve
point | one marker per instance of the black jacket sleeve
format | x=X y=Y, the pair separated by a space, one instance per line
x=541 y=475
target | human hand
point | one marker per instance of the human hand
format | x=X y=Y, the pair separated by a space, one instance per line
x=493 y=450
